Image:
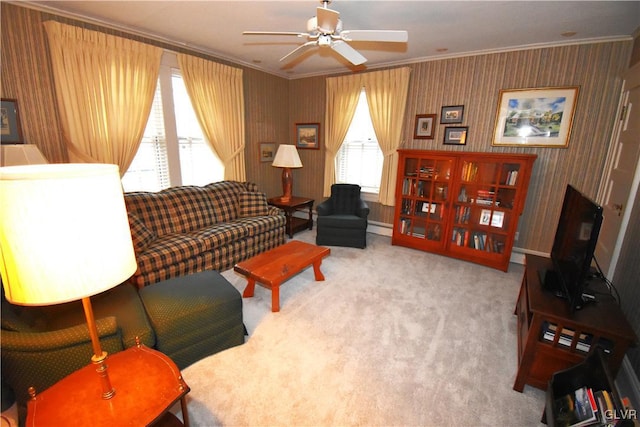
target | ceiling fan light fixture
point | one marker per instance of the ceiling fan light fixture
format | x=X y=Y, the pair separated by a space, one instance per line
x=325 y=30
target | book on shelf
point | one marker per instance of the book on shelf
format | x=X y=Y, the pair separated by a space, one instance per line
x=576 y=409
x=469 y=171
x=512 y=177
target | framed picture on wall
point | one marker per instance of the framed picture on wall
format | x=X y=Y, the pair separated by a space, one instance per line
x=308 y=135
x=424 y=126
x=535 y=117
x=267 y=151
x=10 y=129
x=451 y=114
x=456 y=135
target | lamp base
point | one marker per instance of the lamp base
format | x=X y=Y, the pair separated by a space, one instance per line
x=99 y=357
x=101 y=368
x=287 y=184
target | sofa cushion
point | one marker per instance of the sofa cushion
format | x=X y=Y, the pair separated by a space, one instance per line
x=252 y=203
x=224 y=197
x=170 y=249
x=191 y=207
x=152 y=210
x=122 y=302
x=21 y=319
x=220 y=235
x=140 y=234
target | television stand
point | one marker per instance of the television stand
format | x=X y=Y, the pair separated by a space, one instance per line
x=552 y=338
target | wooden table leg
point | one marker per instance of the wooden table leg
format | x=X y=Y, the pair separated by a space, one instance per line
x=316 y=271
x=185 y=412
x=251 y=286
x=275 y=298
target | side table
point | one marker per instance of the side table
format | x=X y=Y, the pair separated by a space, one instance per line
x=147 y=385
x=294 y=223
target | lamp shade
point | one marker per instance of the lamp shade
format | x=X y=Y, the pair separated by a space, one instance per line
x=64 y=232
x=287 y=157
x=21 y=154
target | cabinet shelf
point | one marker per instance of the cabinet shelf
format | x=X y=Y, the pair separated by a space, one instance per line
x=464 y=205
x=551 y=338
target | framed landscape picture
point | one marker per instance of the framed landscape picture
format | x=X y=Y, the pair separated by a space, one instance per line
x=424 y=126
x=267 y=151
x=451 y=114
x=456 y=135
x=535 y=117
x=10 y=130
x=308 y=135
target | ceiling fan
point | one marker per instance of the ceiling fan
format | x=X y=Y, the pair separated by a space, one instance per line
x=325 y=30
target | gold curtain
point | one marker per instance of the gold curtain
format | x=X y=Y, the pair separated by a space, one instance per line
x=342 y=99
x=105 y=87
x=387 y=98
x=216 y=93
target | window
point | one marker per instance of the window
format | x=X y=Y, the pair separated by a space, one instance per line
x=173 y=150
x=359 y=160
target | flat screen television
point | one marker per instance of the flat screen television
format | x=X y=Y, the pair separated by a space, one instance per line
x=573 y=247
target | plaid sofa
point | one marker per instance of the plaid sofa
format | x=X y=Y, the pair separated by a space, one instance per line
x=188 y=229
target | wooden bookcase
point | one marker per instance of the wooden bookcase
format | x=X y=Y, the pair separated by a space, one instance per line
x=543 y=351
x=460 y=204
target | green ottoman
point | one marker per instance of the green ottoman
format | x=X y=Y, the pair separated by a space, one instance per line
x=194 y=316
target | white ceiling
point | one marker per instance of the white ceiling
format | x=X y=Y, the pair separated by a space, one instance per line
x=460 y=27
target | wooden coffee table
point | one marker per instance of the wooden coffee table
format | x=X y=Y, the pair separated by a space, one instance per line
x=274 y=266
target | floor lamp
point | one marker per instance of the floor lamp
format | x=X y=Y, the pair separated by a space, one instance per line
x=64 y=236
x=287 y=158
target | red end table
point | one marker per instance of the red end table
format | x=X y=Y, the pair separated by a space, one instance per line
x=147 y=383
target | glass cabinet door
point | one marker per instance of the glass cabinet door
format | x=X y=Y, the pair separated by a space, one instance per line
x=484 y=206
x=425 y=198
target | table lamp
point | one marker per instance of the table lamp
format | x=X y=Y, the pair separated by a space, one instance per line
x=64 y=236
x=21 y=154
x=287 y=158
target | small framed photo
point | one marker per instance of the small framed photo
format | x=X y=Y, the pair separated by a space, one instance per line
x=537 y=117
x=451 y=114
x=10 y=129
x=424 y=126
x=308 y=135
x=495 y=218
x=456 y=135
x=267 y=151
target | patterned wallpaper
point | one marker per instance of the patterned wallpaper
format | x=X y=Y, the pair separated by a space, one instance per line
x=274 y=105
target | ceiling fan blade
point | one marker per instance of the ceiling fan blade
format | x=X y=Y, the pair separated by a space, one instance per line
x=297 y=52
x=375 y=36
x=349 y=53
x=327 y=20
x=273 y=33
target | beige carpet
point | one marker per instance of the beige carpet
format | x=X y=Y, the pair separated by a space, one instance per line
x=392 y=337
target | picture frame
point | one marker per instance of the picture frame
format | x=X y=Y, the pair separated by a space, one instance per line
x=456 y=135
x=267 y=151
x=451 y=114
x=495 y=220
x=308 y=136
x=10 y=127
x=535 y=117
x=425 y=126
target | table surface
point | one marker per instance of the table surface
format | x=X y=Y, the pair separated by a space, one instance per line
x=147 y=385
x=276 y=265
x=295 y=201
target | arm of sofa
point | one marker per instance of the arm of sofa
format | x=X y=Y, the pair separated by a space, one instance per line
x=40 y=359
x=275 y=211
